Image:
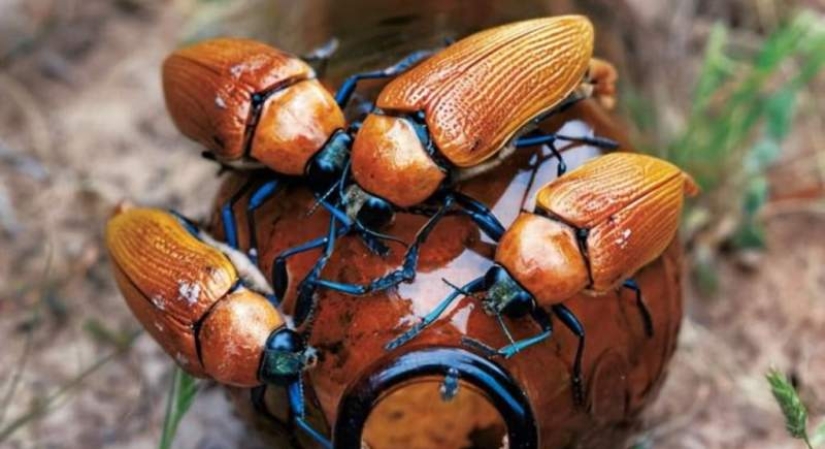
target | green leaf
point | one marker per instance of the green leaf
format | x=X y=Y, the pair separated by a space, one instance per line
x=796 y=415
x=716 y=67
x=181 y=395
x=780 y=110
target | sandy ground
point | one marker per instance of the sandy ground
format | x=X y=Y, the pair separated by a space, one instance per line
x=82 y=125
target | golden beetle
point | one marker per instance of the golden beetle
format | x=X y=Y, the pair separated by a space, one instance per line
x=461 y=112
x=592 y=230
x=254 y=106
x=206 y=305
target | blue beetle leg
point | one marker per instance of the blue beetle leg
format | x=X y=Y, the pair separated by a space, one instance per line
x=596 y=141
x=544 y=139
x=279 y=274
x=344 y=93
x=538 y=314
x=370 y=238
x=474 y=286
x=481 y=215
x=256 y=200
x=297 y=404
x=258 y=399
x=230 y=228
x=404 y=274
x=480 y=346
x=305 y=303
x=571 y=322
x=631 y=284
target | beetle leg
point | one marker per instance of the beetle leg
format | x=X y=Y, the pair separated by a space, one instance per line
x=230 y=228
x=258 y=197
x=279 y=274
x=256 y=200
x=298 y=406
x=539 y=315
x=404 y=274
x=305 y=303
x=631 y=284
x=371 y=238
x=481 y=215
x=321 y=54
x=550 y=141
x=570 y=321
x=257 y=396
x=474 y=286
x=344 y=93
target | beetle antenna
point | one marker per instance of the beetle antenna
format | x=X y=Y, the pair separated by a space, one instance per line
x=457 y=288
x=320 y=199
x=504 y=328
x=381 y=236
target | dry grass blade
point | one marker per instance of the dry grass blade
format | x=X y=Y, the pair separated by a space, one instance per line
x=41 y=408
x=20 y=366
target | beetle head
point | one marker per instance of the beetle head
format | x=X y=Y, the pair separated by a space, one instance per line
x=326 y=169
x=372 y=212
x=285 y=357
x=506 y=296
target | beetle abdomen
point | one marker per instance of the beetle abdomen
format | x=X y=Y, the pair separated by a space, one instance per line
x=181 y=291
x=479 y=92
x=208 y=88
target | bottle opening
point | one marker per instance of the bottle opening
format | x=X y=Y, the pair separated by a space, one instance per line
x=436 y=398
x=425 y=414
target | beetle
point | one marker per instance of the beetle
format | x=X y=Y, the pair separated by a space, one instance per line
x=254 y=106
x=207 y=306
x=459 y=113
x=591 y=231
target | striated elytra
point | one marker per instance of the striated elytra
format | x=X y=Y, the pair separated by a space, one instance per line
x=475 y=97
x=249 y=103
x=185 y=294
x=596 y=226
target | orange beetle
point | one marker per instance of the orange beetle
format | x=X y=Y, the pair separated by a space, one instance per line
x=465 y=107
x=461 y=112
x=205 y=304
x=592 y=230
x=255 y=106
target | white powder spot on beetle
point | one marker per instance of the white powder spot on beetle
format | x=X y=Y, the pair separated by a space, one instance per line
x=219 y=102
x=181 y=359
x=159 y=326
x=189 y=292
x=159 y=302
x=622 y=241
x=236 y=70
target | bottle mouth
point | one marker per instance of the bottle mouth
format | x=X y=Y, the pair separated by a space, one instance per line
x=485 y=377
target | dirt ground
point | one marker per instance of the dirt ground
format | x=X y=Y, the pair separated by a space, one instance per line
x=82 y=126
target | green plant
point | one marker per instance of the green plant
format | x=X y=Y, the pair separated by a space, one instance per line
x=182 y=393
x=743 y=108
x=796 y=415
